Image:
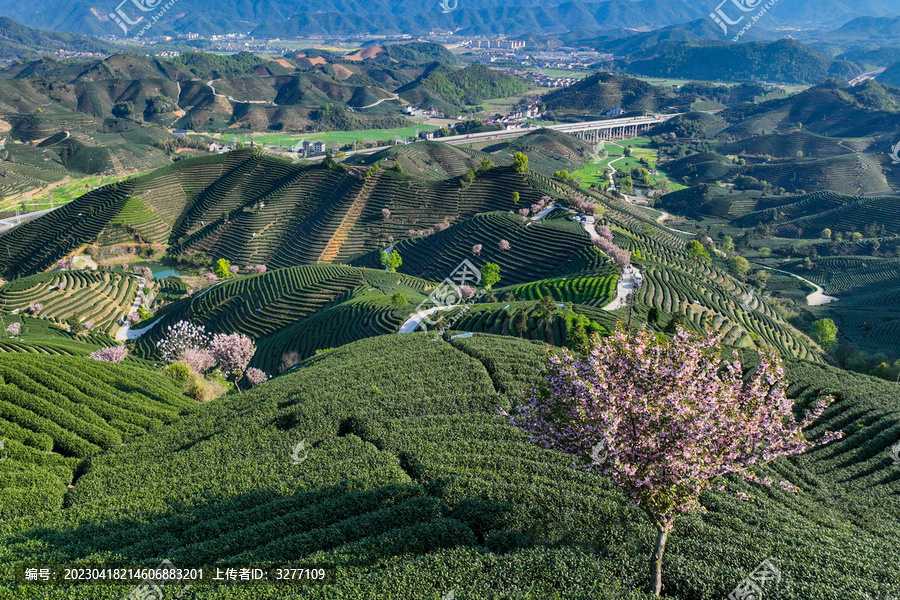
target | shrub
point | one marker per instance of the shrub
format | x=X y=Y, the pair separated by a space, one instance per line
x=222 y=269
x=399 y=299
x=520 y=162
x=490 y=274
x=391 y=261
x=179 y=372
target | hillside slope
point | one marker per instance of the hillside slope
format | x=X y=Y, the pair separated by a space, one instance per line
x=406 y=467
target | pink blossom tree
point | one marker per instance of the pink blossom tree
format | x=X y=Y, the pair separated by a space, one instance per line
x=134 y=318
x=442 y=226
x=14 y=329
x=114 y=354
x=466 y=292
x=664 y=418
x=35 y=308
x=476 y=249
x=256 y=376
x=211 y=278
x=234 y=269
x=197 y=359
x=385 y=214
x=605 y=232
x=503 y=245
x=256 y=269
x=232 y=353
x=524 y=212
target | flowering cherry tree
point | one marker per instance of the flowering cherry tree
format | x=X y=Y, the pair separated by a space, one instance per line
x=466 y=292
x=664 y=419
x=198 y=359
x=14 y=329
x=503 y=245
x=232 y=353
x=256 y=376
x=114 y=354
x=476 y=249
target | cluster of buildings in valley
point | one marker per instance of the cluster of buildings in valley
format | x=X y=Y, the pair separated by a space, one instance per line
x=71 y=54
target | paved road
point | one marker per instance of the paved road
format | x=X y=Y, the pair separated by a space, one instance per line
x=7 y=224
x=416 y=318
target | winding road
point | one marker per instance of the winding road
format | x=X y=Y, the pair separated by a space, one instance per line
x=412 y=323
x=818 y=297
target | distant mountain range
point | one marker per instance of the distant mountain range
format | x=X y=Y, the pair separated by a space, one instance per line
x=339 y=17
x=18 y=42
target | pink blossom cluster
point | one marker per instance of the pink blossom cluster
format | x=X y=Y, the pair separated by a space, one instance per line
x=134 y=318
x=232 y=352
x=256 y=376
x=582 y=205
x=618 y=255
x=211 y=277
x=234 y=269
x=442 y=226
x=503 y=245
x=670 y=416
x=419 y=232
x=256 y=269
x=466 y=292
x=476 y=249
x=385 y=213
x=524 y=212
x=198 y=359
x=14 y=329
x=35 y=307
x=114 y=354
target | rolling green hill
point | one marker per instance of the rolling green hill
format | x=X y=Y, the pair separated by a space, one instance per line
x=253 y=208
x=446 y=88
x=783 y=61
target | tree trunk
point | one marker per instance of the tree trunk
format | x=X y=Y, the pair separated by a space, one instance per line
x=662 y=534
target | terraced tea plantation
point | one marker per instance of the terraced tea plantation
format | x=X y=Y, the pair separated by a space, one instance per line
x=57 y=411
x=302 y=309
x=411 y=486
x=100 y=299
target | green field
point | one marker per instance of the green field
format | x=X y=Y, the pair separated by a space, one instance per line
x=592 y=172
x=59 y=195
